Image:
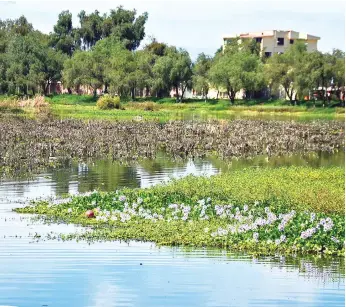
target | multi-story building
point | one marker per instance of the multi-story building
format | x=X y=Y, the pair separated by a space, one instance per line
x=276 y=41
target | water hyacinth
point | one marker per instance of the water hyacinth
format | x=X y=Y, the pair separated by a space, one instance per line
x=308 y=233
x=122 y=198
x=228 y=223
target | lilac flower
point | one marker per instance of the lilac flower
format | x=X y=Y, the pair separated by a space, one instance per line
x=246 y=208
x=139 y=200
x=335 y=240
x=208 y=200
x=255 y=236
x=69 y=210
x=122 y=198
x=173 y=206
x=283 y=238
x=134 y=205
x=201 y=202
x=307 y=233
x=312 y=217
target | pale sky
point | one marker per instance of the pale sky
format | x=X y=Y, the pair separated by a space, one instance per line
x=198 y=25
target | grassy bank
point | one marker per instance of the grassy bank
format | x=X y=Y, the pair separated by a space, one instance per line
x=285 y=210
x=84 y=107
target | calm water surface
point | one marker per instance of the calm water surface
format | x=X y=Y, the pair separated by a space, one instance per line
x=55 y=273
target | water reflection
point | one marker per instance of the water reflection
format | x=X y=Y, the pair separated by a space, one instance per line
x=55 y=273
x=106 y=175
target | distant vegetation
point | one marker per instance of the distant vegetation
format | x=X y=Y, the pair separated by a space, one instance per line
x=102 y=53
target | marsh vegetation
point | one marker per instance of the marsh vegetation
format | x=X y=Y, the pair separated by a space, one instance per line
x=27 y=145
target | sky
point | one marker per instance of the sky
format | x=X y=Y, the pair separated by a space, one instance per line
x=199 y=25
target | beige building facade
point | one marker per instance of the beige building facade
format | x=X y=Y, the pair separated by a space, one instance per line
x=275 y=41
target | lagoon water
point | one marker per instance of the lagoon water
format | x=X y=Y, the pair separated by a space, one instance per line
x=54 y=273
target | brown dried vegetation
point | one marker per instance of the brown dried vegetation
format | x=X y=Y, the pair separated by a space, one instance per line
x=26 y=145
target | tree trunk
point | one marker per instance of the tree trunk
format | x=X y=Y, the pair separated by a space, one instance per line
x=133 y=94
x=45 y=89
x=95 y=93
x=182 y=93
x=177 y=93
x=217 y=95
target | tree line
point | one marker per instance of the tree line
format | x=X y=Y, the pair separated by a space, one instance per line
x=102 y=53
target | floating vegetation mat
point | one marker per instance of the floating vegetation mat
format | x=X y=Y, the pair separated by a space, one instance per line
x=27 y=145
x=182 y=213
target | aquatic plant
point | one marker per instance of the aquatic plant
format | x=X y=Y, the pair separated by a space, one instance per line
x=172 y=215
x=27 y=145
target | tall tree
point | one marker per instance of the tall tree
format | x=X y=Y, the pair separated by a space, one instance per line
x=235 y=69
x=288 y=70
x=200 y=74
x=120 y=23
x=64 y=37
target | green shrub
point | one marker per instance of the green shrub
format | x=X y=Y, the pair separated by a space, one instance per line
x=107 y=102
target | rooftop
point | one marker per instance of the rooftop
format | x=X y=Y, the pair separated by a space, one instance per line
x=267 y=33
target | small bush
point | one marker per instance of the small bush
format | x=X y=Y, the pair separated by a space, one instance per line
x=107 y=102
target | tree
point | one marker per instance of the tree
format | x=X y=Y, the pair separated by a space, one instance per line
x=237 y=68
x=84 y=68
x=64 y=38
x=200 y=74
x=120 y=24
x=156 y=48
x=288 y=70
x=174 y=69
x=32 y=65
x=121 y=70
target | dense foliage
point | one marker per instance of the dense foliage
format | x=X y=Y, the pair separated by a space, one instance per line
x=102 y=54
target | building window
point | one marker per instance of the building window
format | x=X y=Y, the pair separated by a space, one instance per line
x=267 y=54
x=258 y=39
x=227 y=41
x=291 y=41
x=280 y=41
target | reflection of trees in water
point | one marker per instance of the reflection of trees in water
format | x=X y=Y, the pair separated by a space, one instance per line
x=107 y=176
x=322 y=269
x=320 y=159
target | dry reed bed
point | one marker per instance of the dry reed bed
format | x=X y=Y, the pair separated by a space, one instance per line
x=26 y=144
